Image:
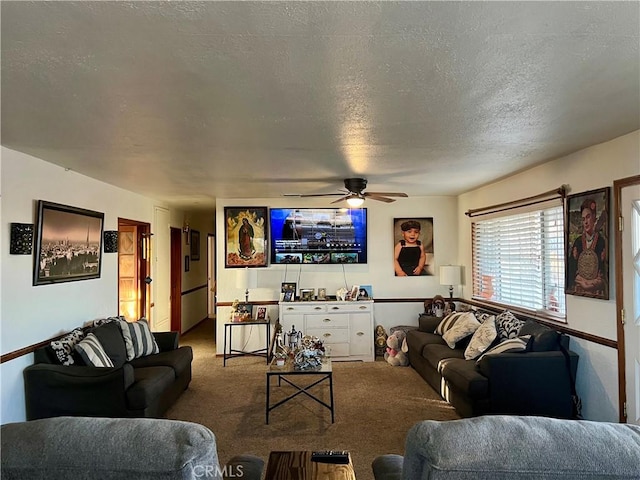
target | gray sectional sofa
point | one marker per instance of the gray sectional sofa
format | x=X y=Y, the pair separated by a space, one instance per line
x=500 y=447
x=143 y=386
x=77 y=448
x=537 y=381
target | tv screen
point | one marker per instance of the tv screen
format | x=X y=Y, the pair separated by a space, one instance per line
x=318 y=235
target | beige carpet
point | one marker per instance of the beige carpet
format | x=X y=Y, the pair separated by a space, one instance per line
x=375 y=405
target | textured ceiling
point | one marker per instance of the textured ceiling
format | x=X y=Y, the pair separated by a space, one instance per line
x=189 y=101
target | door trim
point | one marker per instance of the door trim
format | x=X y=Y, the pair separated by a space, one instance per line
x=176 y=280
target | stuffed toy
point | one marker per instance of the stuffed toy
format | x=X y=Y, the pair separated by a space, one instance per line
x=397 y=349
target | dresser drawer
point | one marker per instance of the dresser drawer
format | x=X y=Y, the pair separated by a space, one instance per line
x=301 y=307
x=335 y=320
x=330 y=335
x=350 y=307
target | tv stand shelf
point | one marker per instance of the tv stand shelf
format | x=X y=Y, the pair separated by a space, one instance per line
x=346 y=328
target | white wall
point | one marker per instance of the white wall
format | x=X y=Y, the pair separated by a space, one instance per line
x=29 y=314
x=378 y=272
x=588 y=169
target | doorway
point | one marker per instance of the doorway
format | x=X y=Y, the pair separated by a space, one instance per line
x=176 y=280
x=627 y=275
x=211 y=280
x=134 y=267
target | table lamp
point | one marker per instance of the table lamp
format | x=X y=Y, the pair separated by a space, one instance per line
x=246 y=279
x=450 y=275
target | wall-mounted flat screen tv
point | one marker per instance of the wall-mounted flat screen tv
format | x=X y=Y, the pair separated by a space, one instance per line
x=318 y=235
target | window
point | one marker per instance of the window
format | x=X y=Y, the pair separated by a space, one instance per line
x=518 y=260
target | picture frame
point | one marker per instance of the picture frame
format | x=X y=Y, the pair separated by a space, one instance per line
x=262 y=313
x=587 y=244
x=322 y=294
x=195 y=245
x=353 y=293
x=289 y=296
x=306 y=294
x=68 y=244
x=246 y=230
x=186 y=263
x=404 y=261
x=288 y=286
x=244 y=312
x=365 y=293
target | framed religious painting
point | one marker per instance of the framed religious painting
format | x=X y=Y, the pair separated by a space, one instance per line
x=246 y=236
x=587 y=244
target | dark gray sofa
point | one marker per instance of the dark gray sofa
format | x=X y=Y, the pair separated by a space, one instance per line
x=142 y=387
x=500 y=447
x=78 y=448
x=530 y=383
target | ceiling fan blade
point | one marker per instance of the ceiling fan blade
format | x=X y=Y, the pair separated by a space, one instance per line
x=387 y=194
x=299 y=195
x=342 y=199
x=379 y=198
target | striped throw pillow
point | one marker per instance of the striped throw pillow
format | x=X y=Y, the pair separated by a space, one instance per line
x=512 y=345
x=138 y=339
x=448 y=322
x=91 y=351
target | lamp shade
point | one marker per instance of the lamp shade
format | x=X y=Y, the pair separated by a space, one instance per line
x=246 y=278
x=450 y=275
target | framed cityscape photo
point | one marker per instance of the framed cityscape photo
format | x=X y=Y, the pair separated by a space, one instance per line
x=68 y=244
x=246 y=236
x=587 y=244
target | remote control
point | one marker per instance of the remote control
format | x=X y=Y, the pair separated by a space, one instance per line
x=340 y=457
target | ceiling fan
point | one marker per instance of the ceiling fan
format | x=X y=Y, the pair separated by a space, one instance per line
x=354 y=193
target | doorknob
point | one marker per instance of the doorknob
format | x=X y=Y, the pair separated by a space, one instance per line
x=148 y=280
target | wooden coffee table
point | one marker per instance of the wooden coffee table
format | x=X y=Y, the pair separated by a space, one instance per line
x=298 y=466
x=287 y=372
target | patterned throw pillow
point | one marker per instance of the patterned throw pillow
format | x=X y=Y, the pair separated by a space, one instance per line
x=465 y=325
x=482 y=338
x=447 y=322
x=518 y=344
x=63 y=347
x=508 y=326
x=91 y=351
x=138 y=339
x=102 y=321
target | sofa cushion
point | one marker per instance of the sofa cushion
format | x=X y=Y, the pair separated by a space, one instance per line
x=179 y=360
x=464 y=326
x=416 y=340
x=91 y=351
x=428 y=323
x=138 y=338
x=543 y=338
x=448 y=322
x=63 y=347
x=511 y=345
x=507 y=325
x=150 y=383
x=111 y=339
x=435 y=353
x=464 y=377
x=481 y=339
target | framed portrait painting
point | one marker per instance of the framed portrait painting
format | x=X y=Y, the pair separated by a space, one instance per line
x=246 y=236
x=68 y=244
x=413 y=246
x=587 y=244
x=195 y=245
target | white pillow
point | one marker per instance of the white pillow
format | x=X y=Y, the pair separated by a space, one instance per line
x=466 y=324
x=448 y=322
x=482 y=338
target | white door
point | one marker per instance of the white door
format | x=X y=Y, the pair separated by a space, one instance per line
x=162 y=269
x=630 y=204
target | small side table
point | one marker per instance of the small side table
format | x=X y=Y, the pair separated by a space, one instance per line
x=295 y=465
x=232 y=352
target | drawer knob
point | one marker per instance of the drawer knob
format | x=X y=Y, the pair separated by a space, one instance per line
x=326 y=335
x=326 y=320
x=318 y=308
x=290 y=308
x=335 y=308
x=360 y=334
x=363 y=307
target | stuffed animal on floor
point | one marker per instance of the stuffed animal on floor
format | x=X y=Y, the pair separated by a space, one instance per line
x=397 y=349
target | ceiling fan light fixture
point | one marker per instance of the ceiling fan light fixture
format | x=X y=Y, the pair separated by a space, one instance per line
x=355 y=201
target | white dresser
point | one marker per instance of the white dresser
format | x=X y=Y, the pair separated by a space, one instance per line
x=345 y=327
